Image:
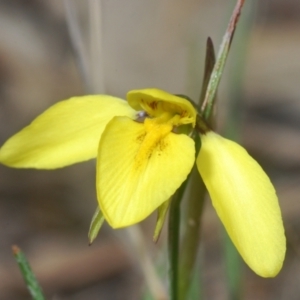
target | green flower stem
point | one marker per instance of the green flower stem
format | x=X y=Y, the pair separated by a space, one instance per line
x=233 y=268
x=179 y=274
x=29 y=278
x=173 y=240
x=195 y=201
x=191 y=234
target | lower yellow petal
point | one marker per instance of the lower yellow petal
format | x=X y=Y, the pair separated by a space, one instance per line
x=134 y=175
x=66 y=133
x=245 y=201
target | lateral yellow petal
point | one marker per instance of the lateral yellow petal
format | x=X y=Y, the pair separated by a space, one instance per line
x=66 y=133
x=136 y=174
x=245 y=201
x=155 y=102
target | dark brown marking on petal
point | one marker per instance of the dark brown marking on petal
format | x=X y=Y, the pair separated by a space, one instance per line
x=153 y=104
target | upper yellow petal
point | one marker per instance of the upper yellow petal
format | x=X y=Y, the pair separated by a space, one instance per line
x=245 y=201
x=66 y=133
x=138 y=168
x=155 y=102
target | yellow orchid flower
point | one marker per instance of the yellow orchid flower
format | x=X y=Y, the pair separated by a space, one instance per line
x=144 y=153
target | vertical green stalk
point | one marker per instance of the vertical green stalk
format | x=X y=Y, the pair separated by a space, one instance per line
x=173 y=240
x=233 y=268
x=191 y=234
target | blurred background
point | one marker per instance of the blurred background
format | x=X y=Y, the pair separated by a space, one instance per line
x=112 y=47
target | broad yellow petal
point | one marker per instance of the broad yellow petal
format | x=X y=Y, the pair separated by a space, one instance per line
x=138 y=170
x=66 y=133
x=155 y=102
x=245 y=201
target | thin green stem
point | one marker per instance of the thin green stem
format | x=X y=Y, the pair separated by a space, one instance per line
x=177 y=270
x=173 y=240
x=191 y=235
x=233 y=266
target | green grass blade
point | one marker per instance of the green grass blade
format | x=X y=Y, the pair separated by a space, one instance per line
x=210 y=60
x=29 y=278
x=218 y=69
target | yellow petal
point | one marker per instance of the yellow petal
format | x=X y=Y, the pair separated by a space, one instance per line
x=155 y=102
x=245 y=201
x=135 y=173
x=66 y=133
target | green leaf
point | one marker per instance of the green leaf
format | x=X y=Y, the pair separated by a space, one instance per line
x=28 y=276
x=207 y=105
x=96 y=224
x=210 y=60
x=161 y=216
